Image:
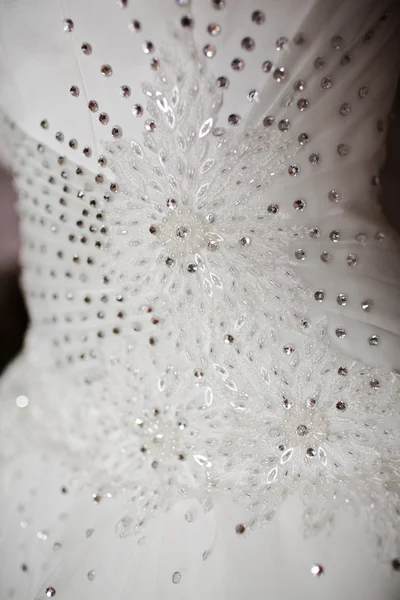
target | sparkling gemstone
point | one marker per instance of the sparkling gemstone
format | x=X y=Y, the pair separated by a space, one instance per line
x=59 y=136
x=351 y=260
x=192 y=267
x=303 y=104
x=317 y=570
x=342 y=299
x=171 y=203
x=287 y=404
x=268 y=121
x=299 y=204
x=244 y=241
x=228 y=339
x=326 y=83
x=74 y=91
x=363 y=92
x=50 y=592
x=374 y=384
x=169 y=261
x=182 y=232
x=341 y=405
x=135 y=26
x=93 y=106
x=345 y=109
x=137 y=110
x=240 y=528
x=314 y=158
x=366 y=305
x=213 y=245
x=86 y=48
x=150 y=125
x=148 y=47
x=342 y=371
x=116 y=132
x=281 y=43
x=248 y=43
x=125 y=91
x=68 y=25
x=258 y=17
x=222 y=82
x=311 y=452
x=284 y=124
x=273 y=209
x=106 y=70
x=319 y=295
x=299 y=85
x=340 y=332
x=209 y=50
x=314 y=233
x=303 y=138
x=87 y=151
x=252 y=95
x=44 y=124
x=288 y=349
x=311 y=403
x=214 y=29
x=266 y=66
x=334 y=196
x=373 y=340
x=73 y=144
x=176 y=577
x=103 y=118
x=334 y=235
x=234 y=119
x=91 y=575
x=302 y=430
x=237 y=64
x=326 y=257
x=294 y=170
x=343 y=149
x=279 y=74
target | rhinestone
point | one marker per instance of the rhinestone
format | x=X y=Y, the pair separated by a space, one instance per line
x=222 y=82
x=366 y=305
x=93 y=106
x=148 y=47
x=363 y=92
x=244 y=241
x=59 y=136
x=311 y=402
x=396 y=564
x=91 y=575
x=346 y=58
x=288 y=349
x=273 y=209
x=187 y=22
x=319 y=62
x=240 y=528
x=74 y=91
x=135 y=26
x=303 y=138
x=341 y=405
x=228 y=339
x=266 y=66
x=169 y=262
x=125 y=91
x=86 y=48
x=68 y=26
x=149 y=125
x=380 y=236
x=317 y=570
x=303 y=104
x=268 y=121
x=44 y=124
x=334 y=235
x=342 y=371
x=284 y=124
x=345 y=109
x=373 y=340
x=233 y=119
x=176 y=577
x=198 y=373
x=171 y=203
x=343 y=149
x=340 y=332
x=116 y=132
x=248 y=43
x=213 y=245
x=374 y=384
x=311 y=452
x=209 y=51
x=326 y=257
x=314 y=158
x=287 y=404
x=299 y=204
x=87 y=151
x=279 y=74
x=192 y=268
x=214 y=29
x=237 y=64
x=102 y=161
x=106 y=70
x=314 y=233
x=337 y=42
x=305 y=323
x=294 y=170
x=281 y=43
x=319 y=295
x=258 y=17
x=137 y=110
x=103 y=118
x=334 y=196
x=300 y=254
x=299 y=86
x=50 y=592
x=342 y=299
x=252 y=95
x=351 y=260
x=182 y=232
x=326 y=83
x=153 y=229
x=73 y=144
x=302 y=430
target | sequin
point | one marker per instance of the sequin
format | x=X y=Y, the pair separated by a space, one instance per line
x=299 y=204
x=103 y=118
x=326 y=257
x=93 y=106
x=148 y=47
x=22 y=401
x=187 y=22
x=284 y=125
x=248 y=43
x=314 y=158
x=326 y=83
x=341 y=406
x=363 y=92
x=294 y=170
x=281 y=43
x=299 y=85
x=218 y=4
x=300 y=254
x=135 y=26
x=116 y=131
x=337 y=42
x=319 y=62
x=268 y=121
x=334 y=235
x=240 y=528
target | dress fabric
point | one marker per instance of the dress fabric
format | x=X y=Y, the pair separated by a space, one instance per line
x=207 y=404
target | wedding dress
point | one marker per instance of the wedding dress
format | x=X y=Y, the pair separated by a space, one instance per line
x=207 y=403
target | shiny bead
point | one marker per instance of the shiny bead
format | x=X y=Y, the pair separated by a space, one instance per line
x=380 y=236
x=294 y=170
x=373 y=340
x=342 y=299
x=279 y=74
x=345 y=109
x=281 y=43
x=192 y=268
x=106 y=70
x=326 y=83
x=59 y=136
x=366 y=305
x=86 y=48
x=266 y=66
x=93 y=106
x=317 y=570
x=73 y=144
x=87 y=151
x=150 y=125
x=74 y=91
x=103 y=118
x=209 y=51
x=137 y=110
x=240 y=528
x=116 y=132
x=351 y=260
x=125 y=91
x=248 y=43
x=237 y=64
x=176 y=577
x=302 y=430
x=233 y=119
x=311 y=403
x=299 y=204
x=343 y=149
x=171 y=203
x=102 y=161
x=319 y=295
x=363 y=92
x=303 y=104
x=258 y=17
x=341 y=405
x=299 y=85
x=334 y=235
x=300 y=254
x=268 y=121
x=214 y=29
x=50 y=592
x=334 y=196
x=284 y=124
x=68 y=25
x=303 y=138
x=340 y=332
x=314 y=159
x=169 y=261
x=148 y=47
x=326 y=257
x=222 y=82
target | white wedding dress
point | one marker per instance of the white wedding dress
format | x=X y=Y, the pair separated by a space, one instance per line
x=207 y=404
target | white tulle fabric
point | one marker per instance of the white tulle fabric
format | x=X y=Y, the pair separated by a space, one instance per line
x=207 y=404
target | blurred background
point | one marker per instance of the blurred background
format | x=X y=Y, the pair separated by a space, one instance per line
x=13 y=314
